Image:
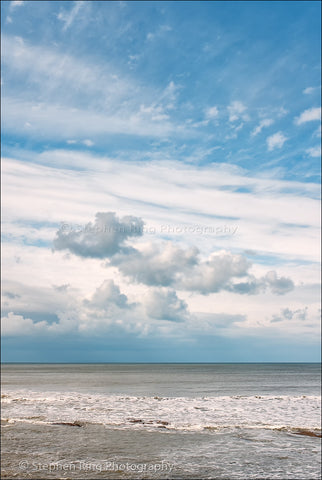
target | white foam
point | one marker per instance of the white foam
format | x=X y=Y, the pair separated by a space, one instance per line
x=181 y=413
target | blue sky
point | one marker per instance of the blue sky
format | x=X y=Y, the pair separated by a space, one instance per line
x=161 y=172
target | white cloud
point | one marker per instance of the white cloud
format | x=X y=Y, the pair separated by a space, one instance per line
x=16 y=325
x=68 y=17
x=163 y=304
x=317 y=132
x=16 y=3
x=195 y=196
x=236 y=111
x=155 y=264
x=170 y=94
x=283 y=210
x=155 y=112
x=56 y=72
x=107 y=297
x=106 y=308
x=288 y=314
x=101 y=239
x=54 y=121
x=266 y=122
x=276 y=140
x=212 y=112
x=278 y=286
x=310 y=90
x=115 y=103
x=168 y=265
x=88 y=143
x=309 y=115
x=163 y=29
x=314 y=151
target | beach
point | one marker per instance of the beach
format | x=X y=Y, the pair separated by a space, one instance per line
x=161 y=421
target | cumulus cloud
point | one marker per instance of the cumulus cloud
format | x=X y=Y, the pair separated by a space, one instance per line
x=309 y=115
x=168 y=265
x=106 y=296
x=101 y=239
x=266 y=122
x=163 y=304
x=276 y=141
x=254 y=286
x=16 y=325
x=161 y=264
x=62 y=309
x=279 y=286
x=156 y=264
x=215 y=273
x=299 y=314
x=38 y=303
x=250 y=286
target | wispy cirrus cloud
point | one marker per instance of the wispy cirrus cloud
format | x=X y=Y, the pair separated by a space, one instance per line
x=217 y=189
x=266 y=122
x=52 y=121
x=69 y=97
x=68 y=17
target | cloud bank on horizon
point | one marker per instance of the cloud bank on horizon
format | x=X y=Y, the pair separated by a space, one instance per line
x=161 y=171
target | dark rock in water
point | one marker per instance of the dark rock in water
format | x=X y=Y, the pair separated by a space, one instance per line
x=148 y=422
x=308 y=433
x=70 y=424
x=162 y=422
x=136 y=420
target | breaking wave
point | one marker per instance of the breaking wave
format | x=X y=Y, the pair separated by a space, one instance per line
x=300 y=415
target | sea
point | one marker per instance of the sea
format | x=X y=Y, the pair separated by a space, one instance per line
x=161 y=421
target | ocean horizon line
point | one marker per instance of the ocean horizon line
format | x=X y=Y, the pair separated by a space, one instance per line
x=160 y=363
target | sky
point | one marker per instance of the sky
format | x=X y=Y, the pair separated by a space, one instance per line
x=161 y=181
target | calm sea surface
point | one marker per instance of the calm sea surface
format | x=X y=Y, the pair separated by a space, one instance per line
x=220 y=421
